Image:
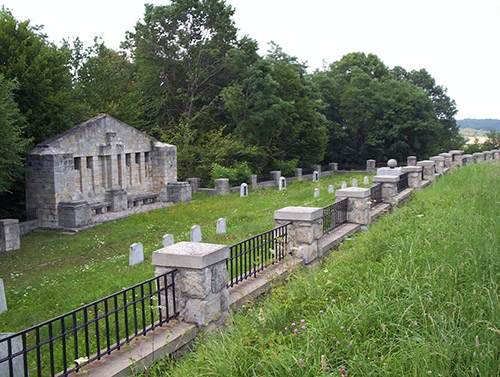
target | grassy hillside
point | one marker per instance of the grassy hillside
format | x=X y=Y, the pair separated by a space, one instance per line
x=416 y=295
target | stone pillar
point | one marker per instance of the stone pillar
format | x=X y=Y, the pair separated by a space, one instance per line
x=439 y=160
x=456 y=156
x=477 y=157
x=389 y=187
x=429 y=169
x=317 y=168
x=358 y=205
x=483 y=156
x=113 y=169
x=194 y=183
x=370 y=166
x=488 y=156
x=333 y=166
x=179 y=192
x=118 y=199
x=201 y=280
x=467 y=159
x=221 y=186
x=411 y=161
x=276 y=174
x=253 y=180
x=9 y=235
x=123 y=170
x=164 y=169
x=447 y=161
x=298 y=174
x=74 y=214
x=414 y=176
x=495 y=154
x=304 y=232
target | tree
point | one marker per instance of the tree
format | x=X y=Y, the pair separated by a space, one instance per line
x=492 y=141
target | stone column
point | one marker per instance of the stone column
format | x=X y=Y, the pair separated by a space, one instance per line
x=164 y=169
x=467 y=159
x=123 y=171
x=298 y=174
x=428 y=169
x=179 y=192
x=276 y=174
x=389 y=187
x=9 y=235
x=495 y=153
x=411 y=161
x=74 y=214
x=358 y=204
x=370 y=166
x=195 y=184
x=483 y=154
x=253 y=180
x=113 y=170
x=477 y=157
x=447 y=161
x=488 y=156
x=456 y=158
x=333 y=166
x=118 y=199
x=305 y=231
x=439 y=160
x=221 y=186
x=414 y=176
x=201 y=280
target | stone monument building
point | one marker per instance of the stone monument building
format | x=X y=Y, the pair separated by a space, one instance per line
x=100 y=165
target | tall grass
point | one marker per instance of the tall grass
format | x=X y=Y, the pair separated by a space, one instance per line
x=416 y=295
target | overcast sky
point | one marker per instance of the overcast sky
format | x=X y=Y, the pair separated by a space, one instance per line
x=456 y=41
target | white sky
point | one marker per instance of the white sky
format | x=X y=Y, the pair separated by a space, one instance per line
x=455 y=40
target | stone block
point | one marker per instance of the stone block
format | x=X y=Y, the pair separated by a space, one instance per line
x=276 y=174
x=3 y=299
x=331 y=190
x=353 y=192
x=298 y=174
x=221 y=226
x=190 y=255
x=179 y=192
x=9 y=235
x=221 y=186
x=253 y=179
x=370 y=166
x=308 y=214
x=316 y=192
x=195 y=233
x=304 y=234
x=17 y=362
x=74 y=214
x=386 y=171
x=136 y=254
x=194 y=183
x=478 y=157
x=118 y=199
x=309 y=253
x=428 y=170
x=195 y=283
x=167 y=240
x=333 y=166
x=411 y=161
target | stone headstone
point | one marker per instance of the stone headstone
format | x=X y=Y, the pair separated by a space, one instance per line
x=330 y=189
x=243 y=190
x=366 y=180
x=136 y=254
x=316 y=192
x=282 y=184
x=344 y=184
x=221 y=226
x=17 y=362
x=354 y=182
x=315 y=176
x=195 y=233
x=167 y=240
x=3 y=300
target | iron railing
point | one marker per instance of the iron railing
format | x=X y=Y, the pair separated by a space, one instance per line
x=334 y=215
x=90 y=332
x=256 y=253
x=376 y=194
x=403 y=182
x=307 y=171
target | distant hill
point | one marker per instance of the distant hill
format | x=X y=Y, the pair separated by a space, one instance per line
x=480 y=124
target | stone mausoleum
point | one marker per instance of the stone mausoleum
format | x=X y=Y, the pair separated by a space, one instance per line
x=98 y=166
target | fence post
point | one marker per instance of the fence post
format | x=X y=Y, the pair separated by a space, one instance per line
x=447 y=161
x=414 y=176
x=298 y=174
x=195 y=184
x=221 y=186
x=9 y=235
x=495 y=154
x=439 y=160
x=428 y=170
x=488 y=155
x=389 y=187
x=333 y=166
x=253 y=180
x=370 y=166
x=456 y=156
x=276 y=174
x=467 y=159
x=411 y=161
x=201 y=280
x=358 y=204
x=304 y=232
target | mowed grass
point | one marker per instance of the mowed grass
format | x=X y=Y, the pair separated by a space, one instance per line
x=54 y=273
x=416 y=295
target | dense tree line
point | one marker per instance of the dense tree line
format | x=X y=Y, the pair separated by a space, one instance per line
x=185 y=77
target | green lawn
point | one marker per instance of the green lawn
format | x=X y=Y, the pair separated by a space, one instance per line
x=54 y=273
x=416 y=295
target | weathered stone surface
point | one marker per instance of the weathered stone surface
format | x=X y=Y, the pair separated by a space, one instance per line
x=331 y=189
x=298 y=174
x=17 y=362
x=253 y=180
x=447 y=160
x=195 y=283
x=353 y=192
x=429 y=170
x=9 y=235
x=395 y=172
x=276 y=174
x=354 y=182
x=190 y=255
x=221 y=226
x=411 y=160
x=195 y=233
x=307 y=214
x=221 y=186
x=414 y=176
x=167 y=240
x=439 y=164
x=316 y=192
x=194 y=183
x=370 y=166
x=456 y=158
x=282 y=184
x=3 y=299
x=243 y=190
x=478 y=157
x=333 y=166
x=179 y=192
x=74 y=214
x=136 y=254
x=467 y=159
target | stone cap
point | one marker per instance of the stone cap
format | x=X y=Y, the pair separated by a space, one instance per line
x=456 y=151
x=9 y=221
x=410 y=169
x=467 y=156
x=445 y=155
x=426 y=163
x=494 y=151
x=385 y=179
x=436 y=158
x=73 y=203
x=353 y=192
x=477 y=154
x=298 y=213
x=195 y=255
x=386 y=171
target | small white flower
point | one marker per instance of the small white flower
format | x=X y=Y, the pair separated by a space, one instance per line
x=81 y=361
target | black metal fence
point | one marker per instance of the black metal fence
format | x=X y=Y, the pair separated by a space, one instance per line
x=90 y=332
x=254 y=254
x=376 y=194
x=309 y=170
x=403 y=182
x=334 y=215
x=27 y=215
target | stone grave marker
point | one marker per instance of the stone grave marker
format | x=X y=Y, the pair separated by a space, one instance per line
x=167 y=240
x=344 y=184
x=195 y=233
x=330 y=189
x=3 y=300
x=243 y=191
x=366 y=180
x=136 y=254
x=315 y=176
x=316 y=192
x=17 y=362
x=221 y=226
x=354 y=182
x=282 y=184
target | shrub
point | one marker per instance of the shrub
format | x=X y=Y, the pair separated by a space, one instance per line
x=238 y=173
x=287 y=168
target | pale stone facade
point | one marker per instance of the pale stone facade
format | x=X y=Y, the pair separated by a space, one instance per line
x=100 y=165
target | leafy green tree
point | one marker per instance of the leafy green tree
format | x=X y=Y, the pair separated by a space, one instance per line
x=492 y=141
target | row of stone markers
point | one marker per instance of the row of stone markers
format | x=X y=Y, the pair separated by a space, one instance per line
x=354 y=183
